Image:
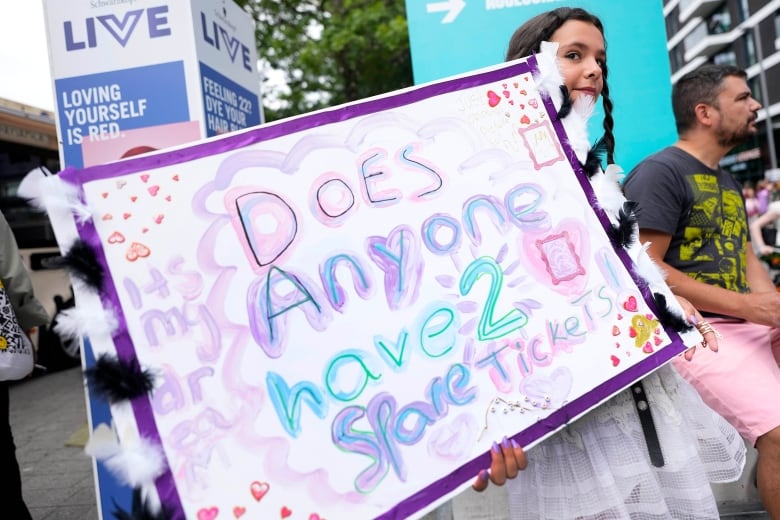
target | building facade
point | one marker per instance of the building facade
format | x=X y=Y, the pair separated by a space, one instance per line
x=744 y=33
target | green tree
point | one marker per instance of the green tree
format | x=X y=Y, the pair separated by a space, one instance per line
x=328 y=52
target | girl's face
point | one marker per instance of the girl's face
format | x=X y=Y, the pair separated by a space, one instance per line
x=581 y=56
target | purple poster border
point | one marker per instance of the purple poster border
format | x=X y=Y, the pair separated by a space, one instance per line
x=142 y=406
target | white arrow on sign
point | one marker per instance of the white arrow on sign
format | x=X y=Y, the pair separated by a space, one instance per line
x=453 y=8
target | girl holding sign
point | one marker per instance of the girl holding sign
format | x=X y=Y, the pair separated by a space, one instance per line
x=651 y=450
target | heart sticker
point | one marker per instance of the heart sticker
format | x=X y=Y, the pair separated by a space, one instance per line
x=259 y=489
x=136 y=251
x=493 y=98
x=116 y=238
x=209 y=513
x=285 y=512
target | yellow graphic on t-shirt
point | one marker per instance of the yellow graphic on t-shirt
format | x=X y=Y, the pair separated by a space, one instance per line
x=715 y=238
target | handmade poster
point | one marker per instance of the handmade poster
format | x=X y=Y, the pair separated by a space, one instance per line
x=344 y=311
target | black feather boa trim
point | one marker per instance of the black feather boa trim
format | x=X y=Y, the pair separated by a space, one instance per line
x=595 y=157
x=81 y=262
x=117 y=380
x=566 y=103
x=669 y=318
x=625 y=232
x=140 y=510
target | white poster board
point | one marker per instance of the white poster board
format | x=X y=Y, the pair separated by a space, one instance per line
x=346 y=309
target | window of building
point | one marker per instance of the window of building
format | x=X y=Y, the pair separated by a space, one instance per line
x=744 y=10
x=720 y=21
x=755 y=89
x=696 y=35
x=676 y=58
x=777 y=29
x=750 y=49
x=727 y=57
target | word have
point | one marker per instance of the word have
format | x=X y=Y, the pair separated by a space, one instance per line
x=213 y=33
x=348 y=373
x=119 y=30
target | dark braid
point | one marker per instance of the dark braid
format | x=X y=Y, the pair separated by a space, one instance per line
x=609 y=122
x=527 y=39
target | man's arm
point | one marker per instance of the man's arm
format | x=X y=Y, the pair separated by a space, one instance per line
x=761 y=305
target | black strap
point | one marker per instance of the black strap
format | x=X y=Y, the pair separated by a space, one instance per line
x=648 y=426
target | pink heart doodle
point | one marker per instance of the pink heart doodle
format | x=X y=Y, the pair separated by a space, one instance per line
x=630 y=304
x=153 y=190
x=116 y=238
x=493 y=98
x=259 y=489
x=208 y=513
x=136 y=251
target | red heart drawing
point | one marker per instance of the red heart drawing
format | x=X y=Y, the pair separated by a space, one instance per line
x=657 y=341
x=145 y=177
x=630 y=304
x=285 y=512
x=133 y=198
x=145 y=230
x=104 y=194
x=493 y=98
x=159 y=218
x=259 y=489
x=615 y=330
x=153 y=190
x=615 y=360
x=525 y=120
x=168 y=198
x=648 y=348
x=632 y=332
x=238 y=512
x=175 y=177
x=314 y=516
x=116 y=238
x=126 y=215
x=107 y=216
x=208 y=513
x=619 y=316
x=136 y=251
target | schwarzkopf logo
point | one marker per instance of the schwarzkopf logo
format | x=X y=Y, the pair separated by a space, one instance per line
x=95 y=4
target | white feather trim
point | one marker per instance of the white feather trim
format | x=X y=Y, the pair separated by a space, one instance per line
x=136 y=461
x=47 y=192
x=85 y=321
x=549 y=79
x=576 y=125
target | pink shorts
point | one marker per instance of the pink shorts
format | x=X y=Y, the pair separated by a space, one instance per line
x=742 y=380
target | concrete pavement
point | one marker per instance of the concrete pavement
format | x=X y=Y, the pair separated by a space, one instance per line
x=57 y=480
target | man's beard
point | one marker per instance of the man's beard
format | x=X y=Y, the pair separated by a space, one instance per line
x=736 y=137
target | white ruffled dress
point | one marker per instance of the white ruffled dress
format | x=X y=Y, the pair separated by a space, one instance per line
x=598 y=468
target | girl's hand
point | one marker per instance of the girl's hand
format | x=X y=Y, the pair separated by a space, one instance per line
x=709 y=334
x=506 y=459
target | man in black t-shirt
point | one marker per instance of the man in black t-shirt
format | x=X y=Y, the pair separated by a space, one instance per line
x=692 y=214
